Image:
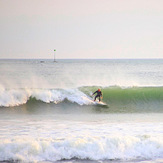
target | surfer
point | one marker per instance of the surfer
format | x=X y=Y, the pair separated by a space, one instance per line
x=99 y=95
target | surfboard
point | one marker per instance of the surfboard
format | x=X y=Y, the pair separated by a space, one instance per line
x=100 y=103
x=91 y=101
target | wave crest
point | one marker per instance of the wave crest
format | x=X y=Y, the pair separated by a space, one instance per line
x=16 y=97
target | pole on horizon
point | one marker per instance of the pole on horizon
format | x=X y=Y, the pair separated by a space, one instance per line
x=55 y=55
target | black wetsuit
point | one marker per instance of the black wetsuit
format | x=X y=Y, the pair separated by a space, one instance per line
x=99 y=94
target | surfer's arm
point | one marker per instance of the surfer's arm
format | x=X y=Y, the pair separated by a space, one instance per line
x=94 y=93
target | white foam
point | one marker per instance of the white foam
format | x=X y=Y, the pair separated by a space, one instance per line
x=15 y=97
x=88 y=147
x=56 y=96
x=58 y=140
x=51 y=139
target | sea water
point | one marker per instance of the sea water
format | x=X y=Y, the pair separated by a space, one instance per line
x=46 y=114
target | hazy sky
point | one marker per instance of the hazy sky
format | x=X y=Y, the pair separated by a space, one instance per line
x=81 y=28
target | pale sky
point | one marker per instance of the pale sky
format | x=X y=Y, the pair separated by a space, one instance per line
x=81 y=29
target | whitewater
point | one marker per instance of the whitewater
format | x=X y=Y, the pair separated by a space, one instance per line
x=47 y=114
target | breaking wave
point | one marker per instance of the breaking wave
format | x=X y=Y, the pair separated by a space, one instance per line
x=16 y=97
x=130 y=97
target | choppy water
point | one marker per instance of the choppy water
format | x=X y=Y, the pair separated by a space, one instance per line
x=46 y=113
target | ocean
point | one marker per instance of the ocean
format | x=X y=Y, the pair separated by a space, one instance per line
x=47 y=116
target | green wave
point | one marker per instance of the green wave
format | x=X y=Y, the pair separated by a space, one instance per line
x=131 y=99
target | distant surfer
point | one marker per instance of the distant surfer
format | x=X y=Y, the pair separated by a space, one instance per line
x=99 y=95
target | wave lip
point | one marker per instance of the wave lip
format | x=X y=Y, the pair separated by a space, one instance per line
x=16 y=97
x=59 y=95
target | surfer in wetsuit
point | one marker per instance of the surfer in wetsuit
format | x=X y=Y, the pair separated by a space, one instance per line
x=99 y=95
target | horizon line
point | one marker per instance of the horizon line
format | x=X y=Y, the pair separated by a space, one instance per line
x=76 y=58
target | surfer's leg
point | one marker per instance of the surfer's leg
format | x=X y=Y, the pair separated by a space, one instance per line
x=99 y=98
x=95 y=97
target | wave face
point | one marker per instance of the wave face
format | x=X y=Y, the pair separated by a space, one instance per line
x=134 y=99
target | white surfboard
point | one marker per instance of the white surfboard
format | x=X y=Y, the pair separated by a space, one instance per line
x=100 y=103
x=94 y=102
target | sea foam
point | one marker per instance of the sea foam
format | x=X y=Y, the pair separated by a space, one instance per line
x=60 y=140
x=88 y=147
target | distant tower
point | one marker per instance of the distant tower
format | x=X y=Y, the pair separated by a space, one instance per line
x=55 y=55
